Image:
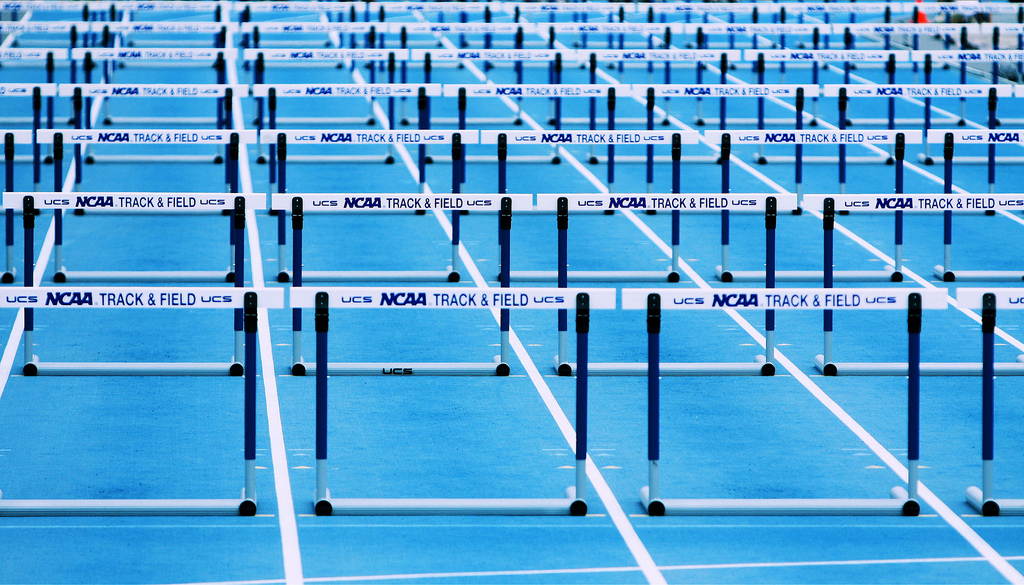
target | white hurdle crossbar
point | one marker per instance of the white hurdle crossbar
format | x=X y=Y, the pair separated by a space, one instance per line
x=583 y=300
x=989 y=300
x=902 y=501
x=246 y=300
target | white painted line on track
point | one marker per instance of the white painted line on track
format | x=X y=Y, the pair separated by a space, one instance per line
x=290 y=551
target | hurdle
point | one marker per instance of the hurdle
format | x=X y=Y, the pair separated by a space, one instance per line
x=33 y=366
x=798 y=138
x=902 y=501
x=11 y=137
x=989 y=300
x=130 y=31
x=994 y=202
x=106 y=91
x=575 y=500
x=247 y=300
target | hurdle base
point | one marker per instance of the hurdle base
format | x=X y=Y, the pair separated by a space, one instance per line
x=397 y=368
x=759 y=367
x=37 y=368
x=595 y=275
x=145 y=276
x=978 y=275
x=567 y=506
x=897 y=505
x=885 y=275
x=380 y=276
x=284 y=276
x=245 y=507
x=993 y=507
x=7 y=278
x=902 y=369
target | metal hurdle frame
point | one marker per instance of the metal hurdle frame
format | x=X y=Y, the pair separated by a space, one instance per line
x=34 y=367
x=223 y=93
x=1000 y=201
x=989 y=300
x=397 y=203
x=902 y=501
x=457 y=138
x=246 y=300
x=575 y=500
x=798 y=138
x=231 y=139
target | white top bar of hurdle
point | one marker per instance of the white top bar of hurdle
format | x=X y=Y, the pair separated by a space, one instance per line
x=346 y=89
x=813 y=136
x=422 y=28
x=964 y=6
x=148 y=90
x=675 y=55
x=492 y=54
x=1006 y=298
x=589 y=136
x=136 y=201
x=25 y=89
x=1018 y=91
x=30 y=26
x=845 y=7
x=825 y=55
x=32 y=54
x=133 y=6
x=533 y=90
x=148 y=54
x=399 y=7
x=643 y=28
x=714 y=8
x=589 y=7
x=149 y=136
x=291 y=7
x=161 y=27
x=721 y=28
x=1004 y=27
x=324 y=54
x=917 y=90
x=139 y=297
x=905 y=28
x=44 y=6
x=1000 y=136
x=413 y=297
x=684 y=202
x=348 y=136
x=784 y=298
x=955 y=56
x=727 y=91
x=917 y=202
x=376 y=202
x=20 y=136
x=299 y=27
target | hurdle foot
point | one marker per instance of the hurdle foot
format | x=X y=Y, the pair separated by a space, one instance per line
x=7 y=278
x=990 y=508
x=218 y=160
x=609 y=212
x=726 y=276
x=79 y=211
x=890 y=161
x=556 y=160
x=421 y=212
x=404 y=122
x=962 y=122
x=236 y=369
x=948 y=276
x=298 y=369
x=830 y=370
x=666 y=122
x=762 y=160
x=428 y=160
x=911 y=508
x=551 y=121
x=928 y=161
x=698 y=121
x=990 y=212
x=896 y=276
x=564 y=370
x=229 y=277
x=453 y=276
x=59 y=277
x=261 y=159
x=390 y=160
x=592 y=160
x=767 y=369
x=371 y=122
x=656 y=508
x=798 y=211
x=673 y=276
x=517 y=122
x=247 y=508
x=283 y=276
x=323 y=508
x=578 y=508
x=90 y=159
x=30 y=369
x=48 y=159
x=502 y=370
x=844 y=212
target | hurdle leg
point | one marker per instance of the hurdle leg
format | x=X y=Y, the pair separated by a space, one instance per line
x=770 y=218
x=248 y=506
x=579 y=493
x=913 y=404
x=505 y=241
x=726 y=150
x=29 y=220
x=297 y=220
x=828 y=226
x=650 y=495
x=238 y=217
x=562 y=360
x=983 y=500
x=321 y=503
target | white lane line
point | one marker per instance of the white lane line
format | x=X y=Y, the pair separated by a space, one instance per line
x=618 y=515
x=292 y=556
